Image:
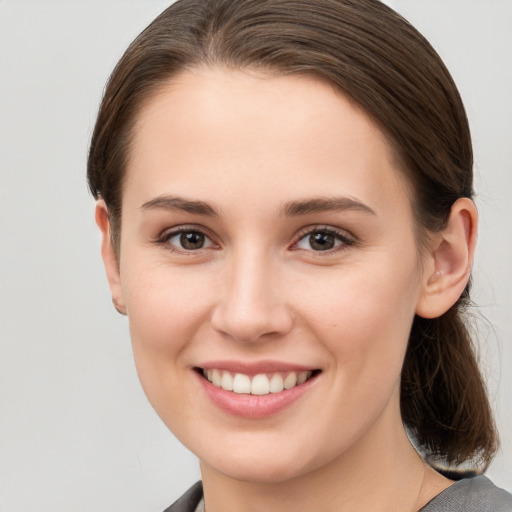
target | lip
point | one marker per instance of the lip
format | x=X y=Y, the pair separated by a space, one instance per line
x=253 y=406
x=254 y=368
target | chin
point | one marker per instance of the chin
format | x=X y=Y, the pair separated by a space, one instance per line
x=269 y=472
x=263 y=468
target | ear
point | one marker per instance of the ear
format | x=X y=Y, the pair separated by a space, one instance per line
x=109 y=257
x=447 y=265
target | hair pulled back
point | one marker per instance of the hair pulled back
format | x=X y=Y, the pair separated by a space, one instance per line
x=376 y=58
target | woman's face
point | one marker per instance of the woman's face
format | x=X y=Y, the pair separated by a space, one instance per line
x=267 y=236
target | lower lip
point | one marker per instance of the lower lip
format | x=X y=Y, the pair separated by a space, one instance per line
x=254 y=406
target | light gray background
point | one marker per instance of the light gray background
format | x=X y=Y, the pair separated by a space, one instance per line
x=76 y=433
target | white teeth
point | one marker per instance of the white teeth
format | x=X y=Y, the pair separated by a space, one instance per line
x=227 y=381
x=261 y=384
x=276 y=383
x=241 y=383
x=290 y=381
x=302 y=377
x=216 y=378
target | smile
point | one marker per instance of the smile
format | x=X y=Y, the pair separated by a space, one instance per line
x=257 y=390
x=260 y=384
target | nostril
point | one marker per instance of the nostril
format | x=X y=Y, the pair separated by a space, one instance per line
x=249 y=326
x=249 y=309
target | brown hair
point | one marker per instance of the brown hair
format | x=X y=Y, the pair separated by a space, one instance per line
x=381 y=62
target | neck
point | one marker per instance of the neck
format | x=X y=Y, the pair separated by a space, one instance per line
x=382 y=473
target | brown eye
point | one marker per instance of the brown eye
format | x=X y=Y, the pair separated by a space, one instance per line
x=192 y=240
x=321 y=241
x=324 y=240
x=188 y=240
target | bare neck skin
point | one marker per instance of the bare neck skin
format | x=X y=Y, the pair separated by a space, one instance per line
x=381 y=473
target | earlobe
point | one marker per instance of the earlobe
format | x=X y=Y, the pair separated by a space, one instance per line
x=108 y=254
x=448 y=265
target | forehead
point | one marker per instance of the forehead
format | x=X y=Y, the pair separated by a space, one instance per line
x=260 y=133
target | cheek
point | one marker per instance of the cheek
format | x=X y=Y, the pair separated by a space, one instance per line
x=165 y=305
x=364 y=317
x=166 y=310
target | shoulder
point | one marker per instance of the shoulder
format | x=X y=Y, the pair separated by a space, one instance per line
x=189 y=501
x=476 y=494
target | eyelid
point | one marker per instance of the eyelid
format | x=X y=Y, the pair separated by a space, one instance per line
x=346 y=238
x=168 y=233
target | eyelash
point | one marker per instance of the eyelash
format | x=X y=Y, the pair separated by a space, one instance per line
x=340 y=237
x=166 y=236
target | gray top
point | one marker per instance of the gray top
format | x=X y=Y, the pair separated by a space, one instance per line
x=477 y=494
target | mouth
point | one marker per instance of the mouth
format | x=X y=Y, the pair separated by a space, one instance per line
x=255 y=391
x=259 y=384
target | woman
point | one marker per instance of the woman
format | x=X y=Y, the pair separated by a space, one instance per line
x=284 y=192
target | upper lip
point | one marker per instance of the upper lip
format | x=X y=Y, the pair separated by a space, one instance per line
x=254 y=367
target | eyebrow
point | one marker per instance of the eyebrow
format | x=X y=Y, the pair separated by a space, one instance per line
x=324 y=204
x=290 y=209
x=180 y=203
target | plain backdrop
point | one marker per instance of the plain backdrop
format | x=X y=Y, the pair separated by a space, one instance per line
x=76 y=432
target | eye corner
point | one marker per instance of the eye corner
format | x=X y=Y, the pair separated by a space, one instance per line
x=186 y=240
x=323 y=240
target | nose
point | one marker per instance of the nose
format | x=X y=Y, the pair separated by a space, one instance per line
x=253 y=303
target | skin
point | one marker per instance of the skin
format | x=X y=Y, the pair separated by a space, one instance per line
x=246 y=145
